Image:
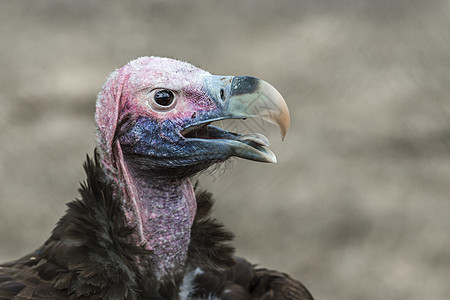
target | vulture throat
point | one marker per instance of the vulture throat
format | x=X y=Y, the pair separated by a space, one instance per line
x=154 y=132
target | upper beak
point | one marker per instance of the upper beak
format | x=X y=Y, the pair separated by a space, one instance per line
x=240 y=97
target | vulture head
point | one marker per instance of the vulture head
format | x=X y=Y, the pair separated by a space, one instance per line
x=154 y=130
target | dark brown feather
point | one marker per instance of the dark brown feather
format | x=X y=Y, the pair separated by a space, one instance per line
x=244 y=282
x=269 y=284
x=89 y=256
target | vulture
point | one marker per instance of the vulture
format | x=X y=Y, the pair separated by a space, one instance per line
x=140 y=229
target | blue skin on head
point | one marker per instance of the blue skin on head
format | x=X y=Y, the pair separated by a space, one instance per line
x=165 y=151
x=182 y=146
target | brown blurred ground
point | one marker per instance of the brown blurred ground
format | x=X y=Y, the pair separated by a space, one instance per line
x=357 y=206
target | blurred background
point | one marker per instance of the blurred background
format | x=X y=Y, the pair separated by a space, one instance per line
x=357 y=206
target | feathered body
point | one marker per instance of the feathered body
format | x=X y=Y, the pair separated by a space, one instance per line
x=139 y=231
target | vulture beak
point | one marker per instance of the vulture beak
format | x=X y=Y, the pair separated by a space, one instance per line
x=240 y=97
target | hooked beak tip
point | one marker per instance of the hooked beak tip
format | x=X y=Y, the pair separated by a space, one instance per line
x=278 y=110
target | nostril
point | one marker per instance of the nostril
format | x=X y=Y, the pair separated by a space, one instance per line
x=222 y=94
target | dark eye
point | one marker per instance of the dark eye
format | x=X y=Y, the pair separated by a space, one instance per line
x=164 y=97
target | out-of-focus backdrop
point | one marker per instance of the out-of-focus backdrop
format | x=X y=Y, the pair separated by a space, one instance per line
x=358 y=205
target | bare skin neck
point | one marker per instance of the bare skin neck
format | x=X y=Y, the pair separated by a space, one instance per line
x=163 y=211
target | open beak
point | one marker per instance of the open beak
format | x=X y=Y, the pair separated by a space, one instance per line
x=241 y=97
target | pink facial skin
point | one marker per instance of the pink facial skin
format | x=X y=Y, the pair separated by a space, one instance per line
x=161 y=212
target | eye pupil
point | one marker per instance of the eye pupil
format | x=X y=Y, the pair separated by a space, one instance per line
x=164 y=98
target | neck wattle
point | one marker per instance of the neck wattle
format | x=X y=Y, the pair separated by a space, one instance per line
x=162 y=211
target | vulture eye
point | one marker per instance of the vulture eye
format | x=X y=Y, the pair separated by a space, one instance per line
x=162 y=99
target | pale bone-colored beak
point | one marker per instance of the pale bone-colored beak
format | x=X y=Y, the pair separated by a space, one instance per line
x=249 y=97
